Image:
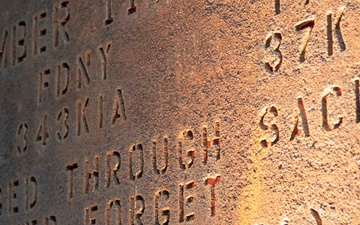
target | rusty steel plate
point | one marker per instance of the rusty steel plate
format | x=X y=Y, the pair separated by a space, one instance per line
x=179 y=112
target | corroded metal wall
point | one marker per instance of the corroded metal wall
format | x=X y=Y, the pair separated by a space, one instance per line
x=179 y=112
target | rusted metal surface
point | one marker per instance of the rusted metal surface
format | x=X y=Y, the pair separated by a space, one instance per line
x=168 y=112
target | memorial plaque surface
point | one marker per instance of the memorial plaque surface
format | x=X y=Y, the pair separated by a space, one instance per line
x=179 y=112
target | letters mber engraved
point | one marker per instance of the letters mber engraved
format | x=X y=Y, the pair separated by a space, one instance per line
x=179 y=112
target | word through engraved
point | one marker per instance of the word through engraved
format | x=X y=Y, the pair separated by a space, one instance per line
x=98 y=173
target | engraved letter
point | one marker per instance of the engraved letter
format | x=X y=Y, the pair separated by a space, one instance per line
x=212 y=142
x=137 y=208
x=324 y=109
x=272 y=126
x=116 y=219
x=13 y=197
x=337 y=31
x=81 y=117
x=162 y=214
x=83 y=69
x=62 y=117
x=20 y=47
x=310 y=23
x=212 y=181
x=30 y=192
x=357 y=99
x=88 y=174
x=43 y=85
x=118 y=107
x=104 y=53
x=304 y=121
x=62 y=78
x=112 y=168
x=186 y=201
x=51 y=220
x=22 y=140
x=90 y=213
x=5 y=50
x=60 y=18
x=71 y=167
x=165 y=155
x=186 y=144
x=42 y=133
x=39 y=32
x=273 y=54
x=137 y=165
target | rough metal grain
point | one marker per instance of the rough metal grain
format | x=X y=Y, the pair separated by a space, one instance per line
x=179 y=112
